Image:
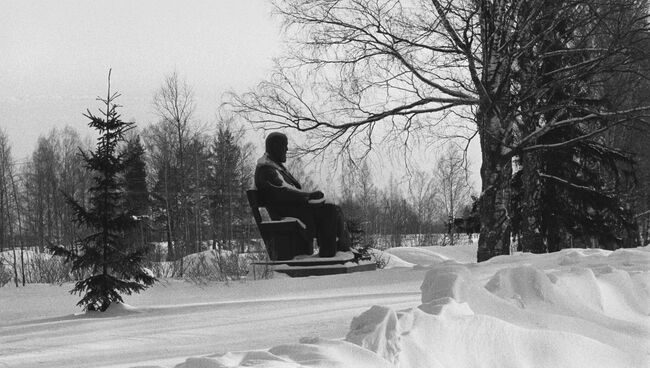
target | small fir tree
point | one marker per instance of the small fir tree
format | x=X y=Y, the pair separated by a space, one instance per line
x=113 y=266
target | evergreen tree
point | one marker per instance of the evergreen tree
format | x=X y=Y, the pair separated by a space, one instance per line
x=570 y=182
x=137 y=196
x=113 y=266
x=135 y=177
x=196 y=181
x=226 y=177
x=165 y=195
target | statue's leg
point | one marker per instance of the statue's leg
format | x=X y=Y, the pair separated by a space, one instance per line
x=326 y=225
x=342 y=233
x=306 y=215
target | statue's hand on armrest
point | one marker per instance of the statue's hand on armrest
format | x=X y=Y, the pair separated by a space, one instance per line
x=316 y=197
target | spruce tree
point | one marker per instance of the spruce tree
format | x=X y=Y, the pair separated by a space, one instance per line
x=225 y=178
x=136 y=194
x=113 y=266
x=135 y=177
x=571 y=179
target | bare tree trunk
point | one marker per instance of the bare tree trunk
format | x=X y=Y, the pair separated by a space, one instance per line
x=20 y=228
x=10 y=224
x=451 y=207
x=3 y=231
x=494 y=238
x=197 y=206
x=15 y=267
x=170 y=240
x=495 y=124
x=5 y=198
x=11 y=234
x=496 y=172
x=174 y=102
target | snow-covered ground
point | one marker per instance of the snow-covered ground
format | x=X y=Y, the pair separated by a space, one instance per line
x=431 y=307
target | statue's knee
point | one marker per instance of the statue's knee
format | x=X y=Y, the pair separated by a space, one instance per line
x=331 y=208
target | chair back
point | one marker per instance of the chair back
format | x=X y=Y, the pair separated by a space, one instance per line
x=253 y=201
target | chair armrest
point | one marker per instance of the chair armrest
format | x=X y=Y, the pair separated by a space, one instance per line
x=284 y=220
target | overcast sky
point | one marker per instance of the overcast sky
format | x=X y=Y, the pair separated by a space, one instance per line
x=55 y=56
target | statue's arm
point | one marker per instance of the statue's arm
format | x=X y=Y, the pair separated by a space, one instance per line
x=270 y=183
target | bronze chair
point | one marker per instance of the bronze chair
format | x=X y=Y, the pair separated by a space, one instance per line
x=284 y=238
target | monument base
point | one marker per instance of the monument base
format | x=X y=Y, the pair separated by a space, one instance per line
x=342 y=262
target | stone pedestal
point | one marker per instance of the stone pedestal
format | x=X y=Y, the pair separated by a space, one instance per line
x=343 y=262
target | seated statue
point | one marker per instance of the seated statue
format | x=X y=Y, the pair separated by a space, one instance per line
x=283 y=196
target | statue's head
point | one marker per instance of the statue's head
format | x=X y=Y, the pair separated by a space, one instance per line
x=277 y=145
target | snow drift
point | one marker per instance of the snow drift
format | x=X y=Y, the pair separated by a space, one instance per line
x=575 y=308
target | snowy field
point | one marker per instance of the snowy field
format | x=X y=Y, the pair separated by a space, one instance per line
x=432 y=307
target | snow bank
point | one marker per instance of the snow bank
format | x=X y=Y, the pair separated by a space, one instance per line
x=115 y=310
x=389 y=260
x=575 y=308
x=419 y=256
x=310 y=352
x=425 y=256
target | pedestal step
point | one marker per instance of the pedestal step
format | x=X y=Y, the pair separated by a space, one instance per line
x=313 y=266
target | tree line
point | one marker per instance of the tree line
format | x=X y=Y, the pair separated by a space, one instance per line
x=424 y=203
x=556 y=93
x=185 y=184
x=201 y=203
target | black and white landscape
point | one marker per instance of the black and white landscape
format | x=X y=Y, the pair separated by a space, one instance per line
x=452 y=183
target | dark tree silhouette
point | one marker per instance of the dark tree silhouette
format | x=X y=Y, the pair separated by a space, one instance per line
x=113 y=266
x=135 y=176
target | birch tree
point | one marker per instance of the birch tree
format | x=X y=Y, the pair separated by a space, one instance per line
x=174 y=102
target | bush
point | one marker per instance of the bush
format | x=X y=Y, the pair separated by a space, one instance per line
x=211 y=265
x=364 y=245
x=43 y=268
x=5 y=274
x=39 y=268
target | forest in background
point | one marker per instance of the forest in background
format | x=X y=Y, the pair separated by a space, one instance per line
x=185 y=183
x=187 y=188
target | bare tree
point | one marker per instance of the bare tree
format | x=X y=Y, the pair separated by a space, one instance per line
x=421 y=194
x=54 y=171
x=4 y=166
x=299 y=169
x=7 y=212
x=19 y=219
x=174 y=103
x=43 y=190
x=160 y=148
x=359 y=195
x=397 y=216
x=73 y=180
x=363 y=71
x=452 y=183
